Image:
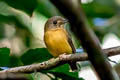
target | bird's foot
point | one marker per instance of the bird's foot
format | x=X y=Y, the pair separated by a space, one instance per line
x=64 y=56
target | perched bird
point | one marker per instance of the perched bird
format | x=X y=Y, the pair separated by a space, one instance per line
x=57 y=39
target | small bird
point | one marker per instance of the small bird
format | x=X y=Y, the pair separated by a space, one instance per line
x=57 y=39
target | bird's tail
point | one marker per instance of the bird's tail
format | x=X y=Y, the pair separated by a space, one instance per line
x=73 y=65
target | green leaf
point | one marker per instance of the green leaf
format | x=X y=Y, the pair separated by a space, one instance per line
x=14 y=61
x=35 y=55
x=24 y=5
x=47 y=9
x=98 y=10
x=4 y=56
x=9 y=14
x=64 y=76
x=63 y=68
x=64 y=73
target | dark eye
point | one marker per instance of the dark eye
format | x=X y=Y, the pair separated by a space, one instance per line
x=54 y=22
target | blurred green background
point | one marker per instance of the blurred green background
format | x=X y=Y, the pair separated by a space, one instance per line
x=22 y=29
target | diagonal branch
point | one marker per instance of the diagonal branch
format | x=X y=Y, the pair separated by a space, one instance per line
x=54 y=62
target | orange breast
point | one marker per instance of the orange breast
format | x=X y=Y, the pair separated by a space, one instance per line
x=56 y=42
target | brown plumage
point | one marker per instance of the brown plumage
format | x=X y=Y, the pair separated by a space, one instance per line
x=57 y=39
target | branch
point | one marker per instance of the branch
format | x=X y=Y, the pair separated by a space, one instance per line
x=54 y=62
x=13 y=76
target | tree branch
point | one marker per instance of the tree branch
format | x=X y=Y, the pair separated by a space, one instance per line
x=54 y=62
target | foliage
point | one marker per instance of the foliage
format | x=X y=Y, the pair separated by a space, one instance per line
x=35 y=55
x=64 y=73
x=4 y=56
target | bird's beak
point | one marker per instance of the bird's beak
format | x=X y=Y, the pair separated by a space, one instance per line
x=65 y=21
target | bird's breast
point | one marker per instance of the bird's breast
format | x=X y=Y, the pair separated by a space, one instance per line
x=57 y=42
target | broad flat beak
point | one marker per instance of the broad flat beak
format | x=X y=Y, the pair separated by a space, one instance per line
x=65 y=21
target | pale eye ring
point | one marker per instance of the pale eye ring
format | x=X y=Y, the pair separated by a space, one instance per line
x=54 y=22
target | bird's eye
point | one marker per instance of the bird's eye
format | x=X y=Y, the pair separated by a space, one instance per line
x=54 y=22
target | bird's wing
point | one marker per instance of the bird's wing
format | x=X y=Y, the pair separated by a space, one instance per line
x=71 y=43
x=72 y=63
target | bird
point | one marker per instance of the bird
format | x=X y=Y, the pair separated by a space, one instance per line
x=57 y=40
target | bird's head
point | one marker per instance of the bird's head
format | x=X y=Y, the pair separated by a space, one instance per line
x=55 y=22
